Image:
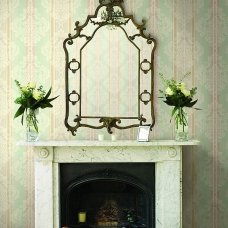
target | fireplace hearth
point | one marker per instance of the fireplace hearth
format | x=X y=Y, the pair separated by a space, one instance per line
x=107 y=195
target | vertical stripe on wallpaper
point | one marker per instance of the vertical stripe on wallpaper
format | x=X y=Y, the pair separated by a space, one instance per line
x=156 y=84
x=174 y=45
x=131 y=130
x=223 y=113
x=129 y=77
x=9 y=133
x=193 y=59
x=109 y=73
x=153 y=31
x=70 y=15
x=193 y=163
x=203 y=215
x=3 y=130
x=98 y=63
x=30 y=69
x=174 y=39
x=52 y=16
x=215 y=114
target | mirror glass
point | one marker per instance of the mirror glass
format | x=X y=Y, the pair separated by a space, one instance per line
x=109 y=75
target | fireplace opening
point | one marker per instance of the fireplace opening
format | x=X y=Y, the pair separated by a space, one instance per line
x=107 y=195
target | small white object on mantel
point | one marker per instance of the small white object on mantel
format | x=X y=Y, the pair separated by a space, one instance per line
x=166 y=154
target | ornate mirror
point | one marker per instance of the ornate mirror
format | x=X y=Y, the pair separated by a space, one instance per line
x=109 y=71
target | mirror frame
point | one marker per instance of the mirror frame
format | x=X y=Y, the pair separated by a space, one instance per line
x=107 y=121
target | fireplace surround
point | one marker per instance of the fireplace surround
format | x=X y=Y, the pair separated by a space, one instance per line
x=166 y=155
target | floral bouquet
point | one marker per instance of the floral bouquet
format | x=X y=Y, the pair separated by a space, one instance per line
x=31 y=98
x=176 y=94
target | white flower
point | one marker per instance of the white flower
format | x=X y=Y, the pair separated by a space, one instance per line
x=24 y=89
x=32 y=85
x=168 y=91
x=181 y=85
x=185 y=92
x=37 y=95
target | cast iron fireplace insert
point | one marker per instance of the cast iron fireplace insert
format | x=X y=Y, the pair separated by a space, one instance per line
x=107 y=195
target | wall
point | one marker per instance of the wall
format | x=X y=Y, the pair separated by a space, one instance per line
x=192 y=36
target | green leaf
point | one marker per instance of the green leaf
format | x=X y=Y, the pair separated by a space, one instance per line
x=47 y=95
x=19 y=112
x=46 y=105
x=174 y=110
x=191 y=104
x=22 y=119
x=52 y=99
x=35 y=125
x=168 y=102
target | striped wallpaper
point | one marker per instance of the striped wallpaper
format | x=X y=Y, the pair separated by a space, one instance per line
x=192 y=35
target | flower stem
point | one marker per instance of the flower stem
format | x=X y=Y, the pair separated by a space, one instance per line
x=32 y=120
x=180 y=118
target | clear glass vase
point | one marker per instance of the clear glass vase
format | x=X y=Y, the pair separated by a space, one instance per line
x=181 y=125
x=32 y=131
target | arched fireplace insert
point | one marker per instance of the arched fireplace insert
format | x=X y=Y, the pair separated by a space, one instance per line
x=107 y=195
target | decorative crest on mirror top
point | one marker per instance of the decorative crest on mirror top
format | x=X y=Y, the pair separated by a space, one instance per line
x=109 y=13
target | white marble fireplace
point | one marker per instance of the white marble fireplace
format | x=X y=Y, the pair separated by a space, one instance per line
x=166 y=154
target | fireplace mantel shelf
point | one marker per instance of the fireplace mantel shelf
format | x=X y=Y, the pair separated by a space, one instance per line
x=107 y=143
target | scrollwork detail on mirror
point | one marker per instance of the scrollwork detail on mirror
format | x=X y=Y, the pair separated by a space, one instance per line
x=73 y=61
x=142 y=66
x=74 y=93
x=108 y=54
x=143 y=95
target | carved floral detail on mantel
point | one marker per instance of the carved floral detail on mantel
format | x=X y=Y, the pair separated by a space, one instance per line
x=43 y=153
x=172 y=152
